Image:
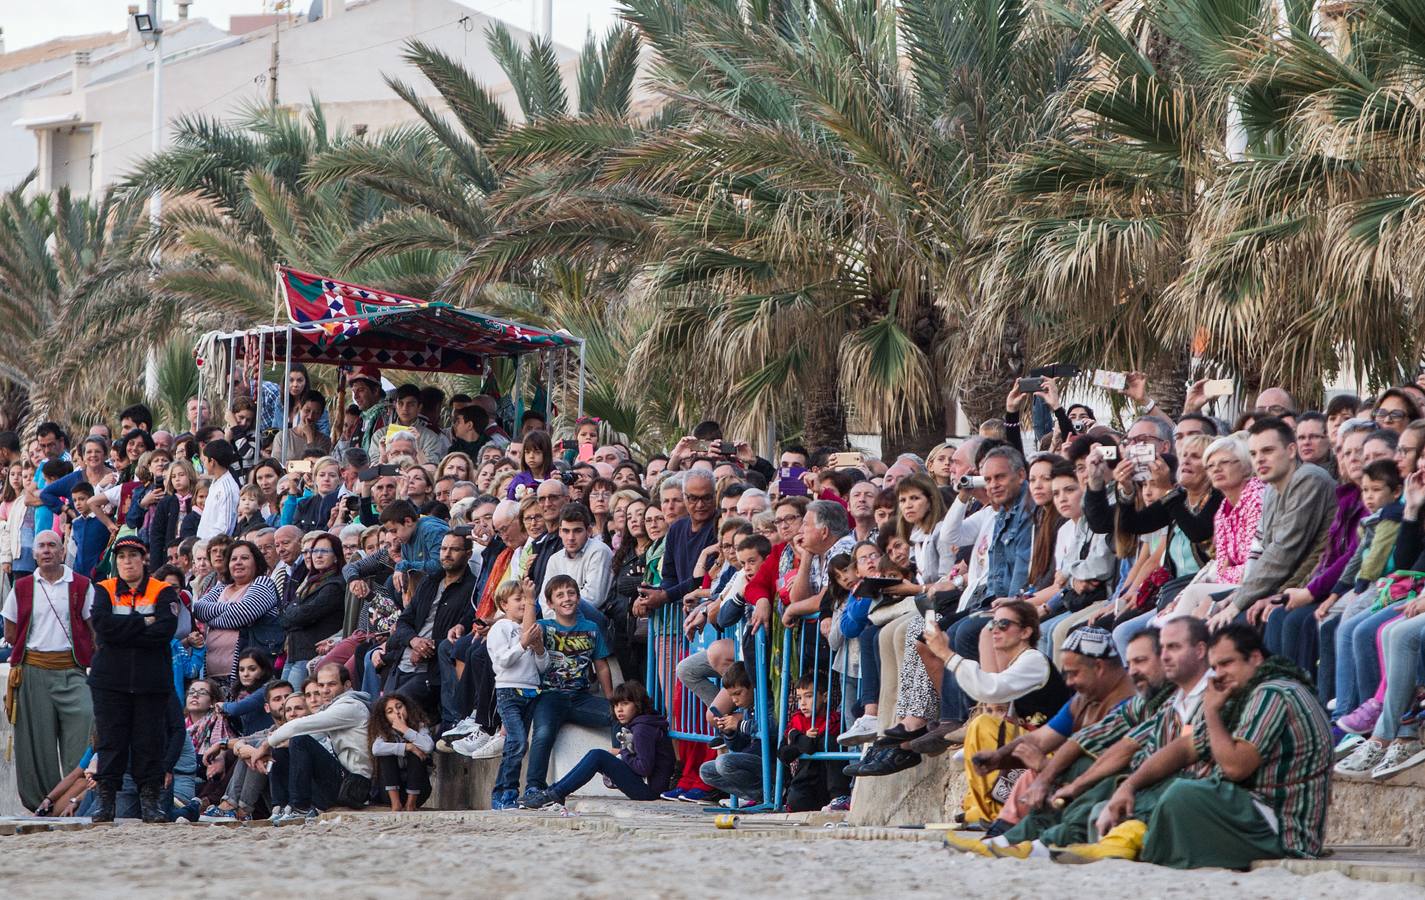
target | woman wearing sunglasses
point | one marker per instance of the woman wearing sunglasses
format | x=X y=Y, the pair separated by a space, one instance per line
x=316 y=610
x=1016 y=689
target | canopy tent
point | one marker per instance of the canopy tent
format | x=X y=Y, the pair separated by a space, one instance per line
x=336 y=323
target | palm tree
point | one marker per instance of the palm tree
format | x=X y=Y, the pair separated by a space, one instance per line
x=799 y=205
x=56 y=254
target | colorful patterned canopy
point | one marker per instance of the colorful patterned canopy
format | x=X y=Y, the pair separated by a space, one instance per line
x=336 y=323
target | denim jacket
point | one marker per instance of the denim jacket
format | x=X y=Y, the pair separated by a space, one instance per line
x=1010 y=546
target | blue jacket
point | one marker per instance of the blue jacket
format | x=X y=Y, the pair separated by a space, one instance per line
x=422 y=552
x=1010 y=546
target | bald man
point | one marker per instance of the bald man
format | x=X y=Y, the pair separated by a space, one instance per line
x=47 y=622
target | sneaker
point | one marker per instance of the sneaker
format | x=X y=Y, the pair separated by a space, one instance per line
x=862 y=731
x=464 y=728
x=494 y=748
x=674 y=794
x=855 y=766
x=1346 y=746
x=1399 y=756
x=540 y=799
x=216 y=813
x=840 y=804
x=504 y=800
x=1362 y=719
x=697 y=795
x=897 y=760
x=1362 y=760
x=1022 y=850
x=939 y=739
x=472 y=743
x=296 y=816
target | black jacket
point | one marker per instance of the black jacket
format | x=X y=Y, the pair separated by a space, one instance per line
x=133 y=656
x=315 y=511
x=315 y=613
x=457 y=607
x=164 y=529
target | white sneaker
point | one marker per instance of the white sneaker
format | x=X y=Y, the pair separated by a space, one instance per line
x=1399 y=756
x=862 y=731
x=464 y=728
x=1363 y=760
x=469 y=746
x=490 y=749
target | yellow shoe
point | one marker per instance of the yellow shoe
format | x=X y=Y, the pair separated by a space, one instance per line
x=1123 y=842
x=1020 y=850
x=965 y=844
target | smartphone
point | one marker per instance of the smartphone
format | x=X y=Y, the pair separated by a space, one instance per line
x=789 y=481
x=565 y=446
x=352 y=503
x=478 y=621
x=850 y=459
x=1110 y=380
x=716 y=713
x=701 y=447
x=1029 y=385
x=300 y=467
x=1142 y=455
x=1217 y=387
x=1108 y=454
x=931 y=619
x=586 y=453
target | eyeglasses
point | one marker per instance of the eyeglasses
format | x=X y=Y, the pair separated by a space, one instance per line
x=602 y=495
x=1004 y=624
x=698 y=498
x=199 y=692
x=320 y=551
x=1390 y=415
x=1276 y=409
x=528 y=519
x=551 y=499
x=1140 y=439
x=787 y=520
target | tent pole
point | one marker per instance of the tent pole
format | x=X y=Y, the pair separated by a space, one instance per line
x=198 y=420
x=257 y=390
x=581 y=379
x=286 y=396
x=549 y=392
x=232 y=369
x=519 y=398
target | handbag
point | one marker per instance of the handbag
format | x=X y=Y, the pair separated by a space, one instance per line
x=889 y=612
x=354 y=791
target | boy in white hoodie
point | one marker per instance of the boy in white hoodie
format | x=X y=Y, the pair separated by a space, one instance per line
x=517 y=673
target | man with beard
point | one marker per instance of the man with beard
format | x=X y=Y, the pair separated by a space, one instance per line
x=1107 y=701
x=1266 y=743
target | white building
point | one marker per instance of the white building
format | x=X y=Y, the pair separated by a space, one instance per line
x=93 y=123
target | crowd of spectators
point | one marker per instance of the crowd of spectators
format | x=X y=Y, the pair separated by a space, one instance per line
x=1159 y=643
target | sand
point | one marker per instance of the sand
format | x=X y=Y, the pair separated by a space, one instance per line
x=508 y=854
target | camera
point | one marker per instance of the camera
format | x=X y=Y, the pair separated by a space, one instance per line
x=352 y=503
x=970 y=482
x=568 y=476
x=1029 y=385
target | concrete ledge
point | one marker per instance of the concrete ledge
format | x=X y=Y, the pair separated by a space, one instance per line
x=459 y=782
x=1387 y=813
x=931 y=792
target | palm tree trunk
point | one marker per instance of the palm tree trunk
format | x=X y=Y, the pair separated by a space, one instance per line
x=824 y=417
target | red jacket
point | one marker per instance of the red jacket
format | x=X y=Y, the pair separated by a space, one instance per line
x=81 y=638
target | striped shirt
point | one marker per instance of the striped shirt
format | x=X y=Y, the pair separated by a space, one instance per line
x=1285 y=722
x=1097 y=737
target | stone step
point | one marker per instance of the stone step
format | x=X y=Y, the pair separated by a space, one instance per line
x=458 y=782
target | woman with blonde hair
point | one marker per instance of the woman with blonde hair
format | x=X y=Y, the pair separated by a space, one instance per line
x=456 y=465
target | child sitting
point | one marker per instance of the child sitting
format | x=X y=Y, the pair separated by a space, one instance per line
x=400 y=744
x=737 y=769
x=574 y=660
x=512 y=644
x=642 y=768
x=815 y=782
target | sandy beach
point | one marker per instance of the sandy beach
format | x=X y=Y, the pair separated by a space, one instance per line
x=512 y=854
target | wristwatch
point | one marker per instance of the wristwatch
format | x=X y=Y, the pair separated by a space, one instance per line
x=1148 y=407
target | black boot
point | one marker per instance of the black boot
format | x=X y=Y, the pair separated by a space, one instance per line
x=151 y=804
x=104 y=812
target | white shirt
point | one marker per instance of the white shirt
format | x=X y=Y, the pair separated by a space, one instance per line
x=49 y=619
x=592 y=568
x=1186 y=705
x=220 y=513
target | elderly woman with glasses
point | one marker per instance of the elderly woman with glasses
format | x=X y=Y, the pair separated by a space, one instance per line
x=317 y=608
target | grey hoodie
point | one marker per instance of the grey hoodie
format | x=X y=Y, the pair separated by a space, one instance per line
x=343 y=723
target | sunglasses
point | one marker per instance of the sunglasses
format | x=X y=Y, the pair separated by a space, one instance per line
x=1005 y=624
